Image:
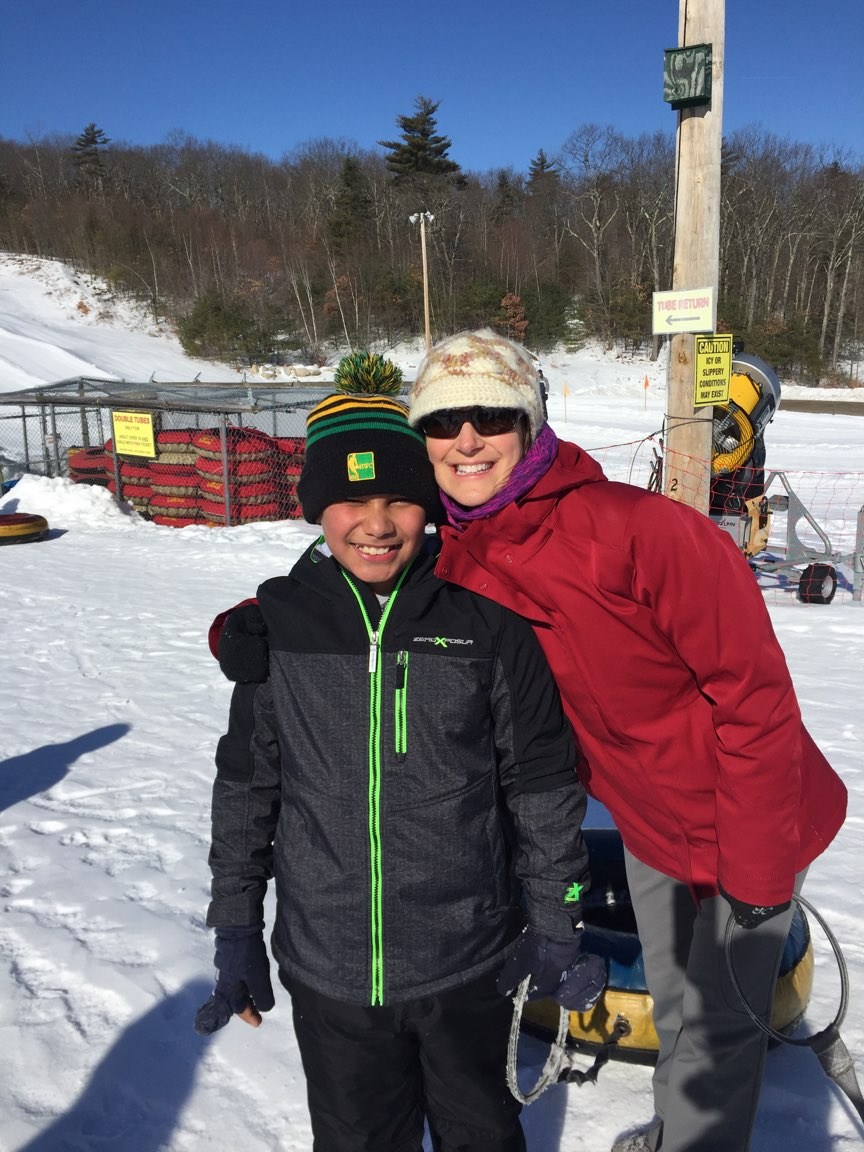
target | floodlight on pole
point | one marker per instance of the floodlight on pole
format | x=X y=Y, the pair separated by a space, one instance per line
x=424 y=218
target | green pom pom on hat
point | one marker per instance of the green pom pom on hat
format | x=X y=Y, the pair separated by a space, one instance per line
x=367 y=372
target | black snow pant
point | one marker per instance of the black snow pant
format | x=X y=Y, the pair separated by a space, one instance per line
x=375 y=1073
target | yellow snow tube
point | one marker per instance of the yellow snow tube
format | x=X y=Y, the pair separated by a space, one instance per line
x=588 y=1030
x=610 y=932
x=21 y=527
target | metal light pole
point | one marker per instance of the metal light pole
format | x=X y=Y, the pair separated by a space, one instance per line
x=423 y=217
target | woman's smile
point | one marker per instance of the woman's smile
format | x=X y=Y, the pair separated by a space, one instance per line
x=471 y=468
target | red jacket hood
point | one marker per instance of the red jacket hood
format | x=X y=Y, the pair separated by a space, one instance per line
x=571 y=468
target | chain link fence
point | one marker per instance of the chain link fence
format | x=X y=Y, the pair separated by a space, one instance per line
x=226 y=454
x=205 y=456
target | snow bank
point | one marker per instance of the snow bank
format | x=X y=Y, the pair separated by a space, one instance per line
x=64 y=504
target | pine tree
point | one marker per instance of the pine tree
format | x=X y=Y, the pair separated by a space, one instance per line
x=541 y=169
x=86 y=149
x=422 y=151
x=87 y=156
x=507 y=196
x=352 y=206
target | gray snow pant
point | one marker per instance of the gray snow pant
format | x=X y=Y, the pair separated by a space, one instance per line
x=712 y=1055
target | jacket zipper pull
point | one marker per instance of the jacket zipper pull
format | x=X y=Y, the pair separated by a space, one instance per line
x=400 y=716
x=373 y=653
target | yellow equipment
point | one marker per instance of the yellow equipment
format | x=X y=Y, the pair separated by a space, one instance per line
x=738 y=502
x=754 y=396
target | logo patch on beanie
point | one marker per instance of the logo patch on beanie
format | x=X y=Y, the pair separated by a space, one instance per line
x=361 y=465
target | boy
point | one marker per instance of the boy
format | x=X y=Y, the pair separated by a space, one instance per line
x=407 y=776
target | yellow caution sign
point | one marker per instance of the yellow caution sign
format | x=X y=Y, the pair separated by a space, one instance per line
x=713 y=356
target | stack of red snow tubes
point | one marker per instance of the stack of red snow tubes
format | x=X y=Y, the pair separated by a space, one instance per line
x=90 y=466
x=186 y=481
x=175 y=499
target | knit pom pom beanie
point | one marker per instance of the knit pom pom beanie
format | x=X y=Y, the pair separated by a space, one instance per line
x=478 y=369
x=363 y=445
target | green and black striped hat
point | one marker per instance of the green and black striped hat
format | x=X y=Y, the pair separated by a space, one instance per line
x=363 y=445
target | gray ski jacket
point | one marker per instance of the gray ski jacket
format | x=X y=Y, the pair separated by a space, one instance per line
x=408 y=778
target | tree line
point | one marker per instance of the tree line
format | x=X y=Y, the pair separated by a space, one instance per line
x=254 y=259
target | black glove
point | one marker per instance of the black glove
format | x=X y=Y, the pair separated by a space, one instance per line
x=559 y=968
x=752 y=915
x=242 y=980
x=244 y=654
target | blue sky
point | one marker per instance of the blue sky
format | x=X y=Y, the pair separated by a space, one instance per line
x=512 y=77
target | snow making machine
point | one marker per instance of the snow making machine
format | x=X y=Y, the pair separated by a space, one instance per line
x=740 y=503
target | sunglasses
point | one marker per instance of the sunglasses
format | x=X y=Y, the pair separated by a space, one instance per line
x=447 y=424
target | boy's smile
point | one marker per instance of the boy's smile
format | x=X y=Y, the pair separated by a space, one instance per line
x=375 y=537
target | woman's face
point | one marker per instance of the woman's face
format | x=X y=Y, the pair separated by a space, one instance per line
x=471 y=468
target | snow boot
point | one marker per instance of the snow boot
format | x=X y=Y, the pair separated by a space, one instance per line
x=637 y=1141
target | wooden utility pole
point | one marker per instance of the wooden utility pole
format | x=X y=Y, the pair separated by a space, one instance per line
x=696 y=264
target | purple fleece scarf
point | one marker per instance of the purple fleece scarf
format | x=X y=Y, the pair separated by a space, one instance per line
x=534 y=464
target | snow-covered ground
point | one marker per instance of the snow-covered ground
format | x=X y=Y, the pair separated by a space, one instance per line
x=112 y=707
x=56 y=324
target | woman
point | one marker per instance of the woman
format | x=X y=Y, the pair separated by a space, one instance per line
x=679 y=693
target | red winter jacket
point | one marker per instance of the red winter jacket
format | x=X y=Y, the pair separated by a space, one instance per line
x=670 y=672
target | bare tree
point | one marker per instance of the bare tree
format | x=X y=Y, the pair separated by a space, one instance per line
x=593 y=158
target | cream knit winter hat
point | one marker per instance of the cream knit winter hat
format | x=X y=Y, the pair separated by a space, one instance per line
x=478 y=368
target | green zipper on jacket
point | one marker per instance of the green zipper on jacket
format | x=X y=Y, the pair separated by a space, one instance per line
x=400 y=722
x=376 y=915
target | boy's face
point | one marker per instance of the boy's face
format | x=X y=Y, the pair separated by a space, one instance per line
x=375 y=537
